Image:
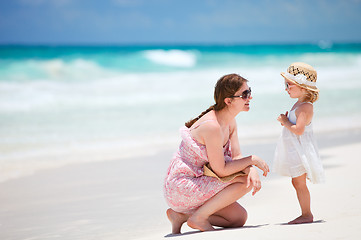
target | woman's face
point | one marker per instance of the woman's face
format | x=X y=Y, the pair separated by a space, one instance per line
x=241 y=98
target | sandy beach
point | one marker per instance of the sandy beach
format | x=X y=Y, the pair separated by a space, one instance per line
x=123 y=199
x=93 y=95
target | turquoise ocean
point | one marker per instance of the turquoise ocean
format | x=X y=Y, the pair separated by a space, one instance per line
x=61 y=105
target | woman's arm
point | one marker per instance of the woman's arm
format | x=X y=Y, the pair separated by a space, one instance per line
x=253 y=179
x=213 y=139
x=236 y=150
x=237 y=154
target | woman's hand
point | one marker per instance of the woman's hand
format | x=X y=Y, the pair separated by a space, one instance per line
x=253 y=178
x=282 y=118
x=258 y=162
x=246 y=170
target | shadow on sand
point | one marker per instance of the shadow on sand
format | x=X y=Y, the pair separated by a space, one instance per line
x=218 y=229
x=318 y=221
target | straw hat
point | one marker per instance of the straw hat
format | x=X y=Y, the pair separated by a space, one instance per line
x=302 y=75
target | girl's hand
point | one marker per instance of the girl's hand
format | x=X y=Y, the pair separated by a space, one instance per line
x=282 y=118
x=253 y=178
x=258 y=162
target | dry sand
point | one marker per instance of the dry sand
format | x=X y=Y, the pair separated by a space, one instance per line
x=123 y=200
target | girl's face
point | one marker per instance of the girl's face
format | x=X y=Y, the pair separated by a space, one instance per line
x=293 y=90
x=241 y=98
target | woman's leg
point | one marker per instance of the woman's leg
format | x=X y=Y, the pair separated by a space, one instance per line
x=202 y=219
x=177 y=219
x=231 y=216
x=304 y=198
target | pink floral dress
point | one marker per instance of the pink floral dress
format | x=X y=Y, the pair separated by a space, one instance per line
x=185 y=187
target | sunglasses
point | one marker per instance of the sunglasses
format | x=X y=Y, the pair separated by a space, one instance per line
x=288 y=85
x=245 y=94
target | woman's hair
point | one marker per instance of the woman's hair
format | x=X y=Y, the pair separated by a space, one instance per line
x=310 y=96
x=225 y=87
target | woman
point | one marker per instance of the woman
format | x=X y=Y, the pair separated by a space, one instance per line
x=203 y=201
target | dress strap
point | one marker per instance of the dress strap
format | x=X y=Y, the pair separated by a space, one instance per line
x=305 y=103
x=292 y=114
x=294 y=109
x=209 y=120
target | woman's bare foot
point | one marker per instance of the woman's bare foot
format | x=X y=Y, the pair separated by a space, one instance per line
x=302 y=219
x=177 y=219
x=200 y=224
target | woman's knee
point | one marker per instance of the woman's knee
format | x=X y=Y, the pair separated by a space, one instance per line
x=234 y=214
x=240 y=217
x=240 y=179
x=242 y=220
x=242 y=187
x=241 y=182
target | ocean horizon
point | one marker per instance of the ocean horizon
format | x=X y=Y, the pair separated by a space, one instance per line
x=68 y=104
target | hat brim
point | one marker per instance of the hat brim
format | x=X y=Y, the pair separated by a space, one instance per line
x=312 y=88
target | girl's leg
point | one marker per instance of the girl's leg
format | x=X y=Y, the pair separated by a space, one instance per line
x=202 y=219
x=304 y=198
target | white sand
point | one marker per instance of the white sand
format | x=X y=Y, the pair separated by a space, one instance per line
x=110 y=200
x=335 y=205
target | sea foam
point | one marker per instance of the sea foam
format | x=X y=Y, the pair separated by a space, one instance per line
x=176 y=58
x=83 y=105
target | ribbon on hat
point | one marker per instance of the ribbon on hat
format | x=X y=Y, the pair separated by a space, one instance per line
x=300 y=79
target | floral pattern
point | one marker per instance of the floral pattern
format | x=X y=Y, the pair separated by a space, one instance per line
x=185 y=187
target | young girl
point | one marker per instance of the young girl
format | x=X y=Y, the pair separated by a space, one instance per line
x=296 y=154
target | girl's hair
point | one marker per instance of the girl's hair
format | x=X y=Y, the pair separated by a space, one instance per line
x=310 y=96
x=225 y=87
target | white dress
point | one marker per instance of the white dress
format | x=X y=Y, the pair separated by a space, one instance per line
x=298 y=154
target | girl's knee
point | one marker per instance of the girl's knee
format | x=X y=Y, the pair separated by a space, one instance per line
x=299 y=183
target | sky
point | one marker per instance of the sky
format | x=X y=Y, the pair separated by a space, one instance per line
x=178 y=21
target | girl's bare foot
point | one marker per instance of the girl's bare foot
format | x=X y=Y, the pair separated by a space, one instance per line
x=200 y=224
x=177 y=219
x=302 y=219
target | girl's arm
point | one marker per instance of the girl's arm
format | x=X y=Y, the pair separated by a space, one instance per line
x=304 y=115
x=213 y=139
